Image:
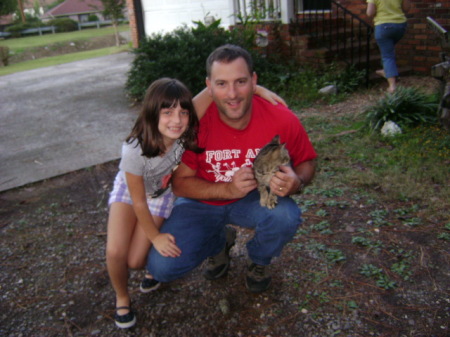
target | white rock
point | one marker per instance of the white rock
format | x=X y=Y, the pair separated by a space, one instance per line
x=390 y=129
x=329 y=90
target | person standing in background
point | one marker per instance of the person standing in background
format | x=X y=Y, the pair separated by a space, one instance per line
x=390 y=27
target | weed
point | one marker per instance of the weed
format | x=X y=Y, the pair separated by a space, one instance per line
x=408 y=107
x=369 y=270
x=336 y=284
x=384 y=282
x=334 y=255
x=305 y=204
x=321 y=212
x=362 y=241
x=330 y=193
x=331 y=203
x=444 y=236
x=402 y=268
x=322 y=296
x=413 y=222
x=406 y=210
x=320 y=226
x=352 y=305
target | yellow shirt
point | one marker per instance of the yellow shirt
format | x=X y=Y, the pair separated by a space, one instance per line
x=388 y=11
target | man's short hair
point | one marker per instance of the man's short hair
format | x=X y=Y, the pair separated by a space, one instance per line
x=226 y=54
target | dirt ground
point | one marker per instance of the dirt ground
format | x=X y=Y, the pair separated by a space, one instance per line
x=54 y=280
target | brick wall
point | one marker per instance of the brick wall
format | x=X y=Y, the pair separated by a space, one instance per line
x=420 y=47
x=133 y=24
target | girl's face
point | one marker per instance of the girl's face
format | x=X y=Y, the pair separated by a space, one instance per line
x=173 y=122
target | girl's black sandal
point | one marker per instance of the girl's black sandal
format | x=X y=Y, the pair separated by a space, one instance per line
x=125 y=321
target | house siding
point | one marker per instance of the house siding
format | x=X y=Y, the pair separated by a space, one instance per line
x=167 y=15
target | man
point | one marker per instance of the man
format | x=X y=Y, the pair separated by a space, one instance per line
x=218 y=186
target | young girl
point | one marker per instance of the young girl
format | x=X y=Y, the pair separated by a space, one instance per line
x=142 y=198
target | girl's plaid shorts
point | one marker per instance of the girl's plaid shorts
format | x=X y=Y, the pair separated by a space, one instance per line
x=160 y=206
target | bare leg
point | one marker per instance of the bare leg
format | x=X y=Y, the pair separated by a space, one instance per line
x=127 y=247
x=140 y=245
x=392 y=84
x=380 y=72
x=121 y=227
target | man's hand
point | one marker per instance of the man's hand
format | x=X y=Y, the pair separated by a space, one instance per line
x=165 y=244
x=242 y=183
x=285 y=182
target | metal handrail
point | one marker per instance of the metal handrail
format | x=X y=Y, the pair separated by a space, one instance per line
x=349 y=41
x=260 y=10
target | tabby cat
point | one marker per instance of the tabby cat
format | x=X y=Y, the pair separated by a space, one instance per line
x=266 y=164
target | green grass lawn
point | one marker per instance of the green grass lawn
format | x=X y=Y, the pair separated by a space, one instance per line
x=55 y=60
x=17 y=45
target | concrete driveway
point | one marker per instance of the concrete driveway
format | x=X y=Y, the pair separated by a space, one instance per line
x=63 y=118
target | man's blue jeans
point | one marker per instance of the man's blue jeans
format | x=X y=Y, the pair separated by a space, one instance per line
x=198 y=229
x=387 y=35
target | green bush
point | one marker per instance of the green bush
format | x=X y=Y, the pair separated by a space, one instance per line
x=18 y=27
x=92 y=18
x=180 y=54
x=407 y=107
x=64 y=24
x=4 y=56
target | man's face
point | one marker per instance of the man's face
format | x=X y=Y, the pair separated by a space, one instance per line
x=232 y=86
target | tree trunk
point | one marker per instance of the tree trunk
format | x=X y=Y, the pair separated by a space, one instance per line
x=116 y=33
x=22 y=14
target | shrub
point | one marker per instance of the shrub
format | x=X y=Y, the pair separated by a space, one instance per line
x=408 y=107
x=180 y=54
x=4 y=56
x=92 y=18
x=18 y=27
x=64 y=24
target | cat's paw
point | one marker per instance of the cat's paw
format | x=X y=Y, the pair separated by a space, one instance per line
x=269 y=202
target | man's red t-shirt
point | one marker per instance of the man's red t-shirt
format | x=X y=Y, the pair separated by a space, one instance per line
x=228 y=149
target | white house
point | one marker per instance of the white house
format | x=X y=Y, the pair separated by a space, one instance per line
x=166 y=15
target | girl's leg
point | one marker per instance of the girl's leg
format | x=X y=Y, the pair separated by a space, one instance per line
x=121 y=228
x=140 y=245
x=138 y=253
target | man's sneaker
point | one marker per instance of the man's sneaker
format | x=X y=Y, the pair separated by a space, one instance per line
x=257 y=279
x=125 y=321
x=149 y=284
x=217 y=266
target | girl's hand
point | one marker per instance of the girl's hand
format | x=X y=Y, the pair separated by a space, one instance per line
x=165 y=244
x=269 y=95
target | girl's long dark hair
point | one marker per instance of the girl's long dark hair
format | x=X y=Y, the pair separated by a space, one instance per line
x=163 y=93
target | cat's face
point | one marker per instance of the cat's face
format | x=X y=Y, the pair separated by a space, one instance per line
x=271 y=157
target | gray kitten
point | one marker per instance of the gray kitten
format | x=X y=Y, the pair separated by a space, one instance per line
x=266 y=164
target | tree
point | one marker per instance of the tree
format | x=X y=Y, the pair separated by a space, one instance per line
x=114 y=10
x=7 y=7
